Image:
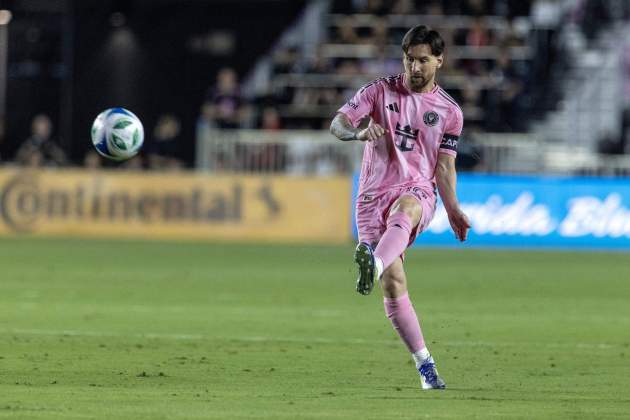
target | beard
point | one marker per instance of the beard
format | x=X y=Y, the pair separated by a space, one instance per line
x=419 y=82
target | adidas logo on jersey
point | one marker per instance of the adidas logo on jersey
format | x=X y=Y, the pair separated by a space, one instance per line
x=393 y=107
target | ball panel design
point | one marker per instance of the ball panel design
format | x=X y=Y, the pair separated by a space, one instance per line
x=122 y=111
x=101 y=147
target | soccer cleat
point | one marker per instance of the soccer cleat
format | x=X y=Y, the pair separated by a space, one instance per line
x=364 y=257
x=429 y=375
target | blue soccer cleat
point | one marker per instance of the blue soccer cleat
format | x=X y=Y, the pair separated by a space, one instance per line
x=364 y=257
x=429 y=375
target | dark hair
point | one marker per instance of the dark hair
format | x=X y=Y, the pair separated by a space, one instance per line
x=422 y=34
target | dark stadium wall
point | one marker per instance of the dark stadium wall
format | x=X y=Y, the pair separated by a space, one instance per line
x=73 y=58
x=139 y=54
x=35 y=68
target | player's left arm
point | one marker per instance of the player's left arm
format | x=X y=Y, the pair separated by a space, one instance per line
x=446 y=178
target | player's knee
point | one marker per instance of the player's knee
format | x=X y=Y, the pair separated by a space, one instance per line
x=393 y=282
x=411 y=207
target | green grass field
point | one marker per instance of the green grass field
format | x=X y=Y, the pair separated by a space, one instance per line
x=139 y=330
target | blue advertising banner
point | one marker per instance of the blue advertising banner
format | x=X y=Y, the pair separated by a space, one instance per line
x=536 y=211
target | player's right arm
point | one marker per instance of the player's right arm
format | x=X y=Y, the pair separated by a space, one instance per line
x=342 y=128
x=353 y=111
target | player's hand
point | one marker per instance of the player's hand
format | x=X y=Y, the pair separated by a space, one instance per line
x=459 y=223
x=371 y=133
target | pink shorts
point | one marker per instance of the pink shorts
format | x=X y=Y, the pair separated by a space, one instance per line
x=372 y=212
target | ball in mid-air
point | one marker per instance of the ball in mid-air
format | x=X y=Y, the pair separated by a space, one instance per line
x=117 y=134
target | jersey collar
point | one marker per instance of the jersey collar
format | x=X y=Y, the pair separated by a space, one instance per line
x=408 y=89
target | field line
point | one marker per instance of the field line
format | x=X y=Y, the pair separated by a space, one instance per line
x=305 y=340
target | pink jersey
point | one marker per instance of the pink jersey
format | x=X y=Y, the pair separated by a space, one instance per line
x=421 y=125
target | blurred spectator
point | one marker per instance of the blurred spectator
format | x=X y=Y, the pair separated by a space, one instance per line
x=286 y=60
x=319 y=64
x=403 y=7
x=596 y=16
x=348 y=67
x=40 y=149
x=378 y=33
x=270 y=119
x=511 y=36
x=478 y=35
x=224 y=107
x=381 y=64
x=504 y=98
x=163 y=151
x=474 y=8
x=371 y=29
x=434 y=8
x=373 y=7
x=346 y=31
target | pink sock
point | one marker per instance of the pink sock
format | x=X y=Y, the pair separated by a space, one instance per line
x=403 y=317
x=395 y=239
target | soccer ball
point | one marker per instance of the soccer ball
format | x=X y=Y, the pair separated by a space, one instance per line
x=117 y=134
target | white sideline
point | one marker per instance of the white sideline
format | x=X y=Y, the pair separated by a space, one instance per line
x=318 y=340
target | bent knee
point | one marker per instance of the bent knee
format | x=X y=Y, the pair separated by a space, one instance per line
x=393 y=283
x=410 y=206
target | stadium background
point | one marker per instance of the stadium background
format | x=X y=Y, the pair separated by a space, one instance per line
x=239 y=176
x=543 y=85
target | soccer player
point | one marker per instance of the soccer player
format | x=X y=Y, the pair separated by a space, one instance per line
x=411 y=144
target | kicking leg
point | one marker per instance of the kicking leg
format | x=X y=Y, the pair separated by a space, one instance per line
x=403 y=218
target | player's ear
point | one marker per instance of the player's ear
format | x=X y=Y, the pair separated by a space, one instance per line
x=440 y=60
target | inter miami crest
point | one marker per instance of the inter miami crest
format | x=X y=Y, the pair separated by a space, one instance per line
x=430 y=118
x=405 y=137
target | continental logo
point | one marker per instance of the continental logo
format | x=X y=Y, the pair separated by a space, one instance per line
x=25 y=201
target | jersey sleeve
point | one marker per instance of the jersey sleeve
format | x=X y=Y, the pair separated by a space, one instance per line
x=361 y=104
x=452 y=131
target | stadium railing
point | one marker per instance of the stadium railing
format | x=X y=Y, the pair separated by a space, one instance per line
x=318 y=153
x=291 y=152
